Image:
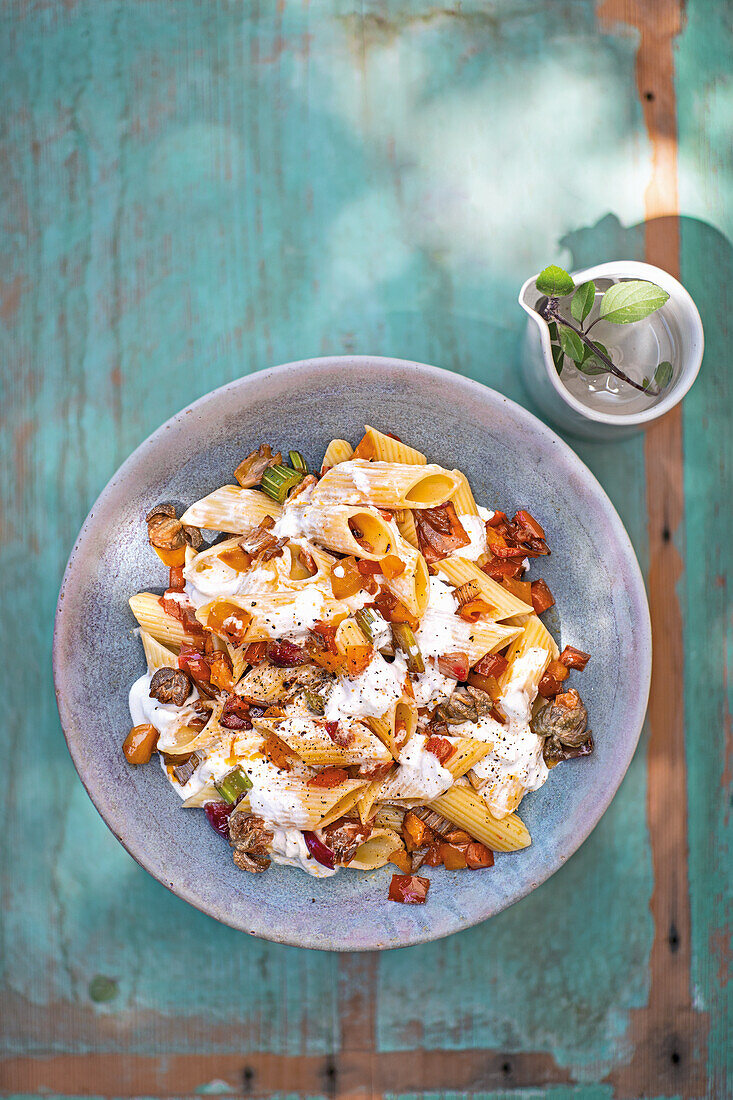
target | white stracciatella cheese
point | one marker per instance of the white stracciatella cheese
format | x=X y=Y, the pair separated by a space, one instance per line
x=475 y=528
x=289 y=848
x=420 y=774
x=166 y=717
x=369 y=695
x=515 y=760
x=441 y=630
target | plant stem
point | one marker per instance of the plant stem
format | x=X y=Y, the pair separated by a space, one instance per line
x=550 y=312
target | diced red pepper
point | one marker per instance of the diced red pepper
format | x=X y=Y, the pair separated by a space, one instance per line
x=176 y=579
x=329 y=777
x=256 y=653
x=439 y=532
x=498 y=570
x=368 y=568
x=195 y=664
x=409 y=889
x=453 y=858
x=521 y=589
x=493 y=664
x=574 y=658
x=478 y=855
x=529 y=523
x=326 y=632
x=440 y=747
x=541 y=596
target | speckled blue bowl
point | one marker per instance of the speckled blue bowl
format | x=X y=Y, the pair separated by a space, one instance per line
x=512 y=461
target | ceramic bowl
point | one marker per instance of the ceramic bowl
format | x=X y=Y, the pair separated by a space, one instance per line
x=512 y=461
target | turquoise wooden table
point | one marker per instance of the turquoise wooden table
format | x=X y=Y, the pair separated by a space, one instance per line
x=192 y=191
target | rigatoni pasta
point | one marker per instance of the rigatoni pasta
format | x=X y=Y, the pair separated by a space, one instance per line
x=355 y=671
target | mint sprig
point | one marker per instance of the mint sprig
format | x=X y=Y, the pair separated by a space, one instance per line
x=622 y=304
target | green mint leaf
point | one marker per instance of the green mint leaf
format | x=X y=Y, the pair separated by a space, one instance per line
x=558 y=356
x=552 y=328
x=582 y=301
x=624 y=303
x=645 y=383
x=571 y=344
x=554 y=282
x=592 y=366
x=663 y=374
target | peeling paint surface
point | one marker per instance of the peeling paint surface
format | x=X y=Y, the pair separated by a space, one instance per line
x=193 y=191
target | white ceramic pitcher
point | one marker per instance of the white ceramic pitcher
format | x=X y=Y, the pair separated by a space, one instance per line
x=546 y=388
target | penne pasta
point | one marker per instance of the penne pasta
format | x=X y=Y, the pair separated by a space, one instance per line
x=349 y=529
x=385 y=448
x=468 y=811
x=338 y=450
x=505 y=604
x=467 y=752
x=231 y=509
x=376 y=851
x=157 y=655
x=462 y=499
x=534 y=635
x=385 y=485
x=149 y=613
x=406 y=526
x=489 y=638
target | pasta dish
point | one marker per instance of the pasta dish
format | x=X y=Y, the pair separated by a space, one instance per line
x=351 y=670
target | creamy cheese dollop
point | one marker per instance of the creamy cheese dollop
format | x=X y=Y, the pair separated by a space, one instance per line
x=441 y=630
x=475 y=528
x=369 y=695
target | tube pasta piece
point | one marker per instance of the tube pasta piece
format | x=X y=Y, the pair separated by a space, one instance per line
x=389 y=817
x=367 y=798
x=459 y=570
x=388 y=449
x=270 y=614
x=534 y=635
x=406 y=526
x=463 y=501
x=376 y=851
x=468 y=811
x=338 y=450
x=412 y=586
x=232 y=509
x=349 y=529
x=502 y=797
x=344 y=798
x=310 y=740
x=467 y=752
x=208 y=793
x=487 y=637
x=396 y=727
x=157 y=655
x=148 y=610
x=385 y=485
x=212 y=574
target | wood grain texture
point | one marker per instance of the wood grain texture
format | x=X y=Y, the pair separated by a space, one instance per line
x=192 y=191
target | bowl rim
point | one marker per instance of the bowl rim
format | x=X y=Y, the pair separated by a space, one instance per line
x=635 y=581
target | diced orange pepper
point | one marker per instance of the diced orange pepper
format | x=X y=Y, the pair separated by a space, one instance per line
x=171 y=557
x=392 y=566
